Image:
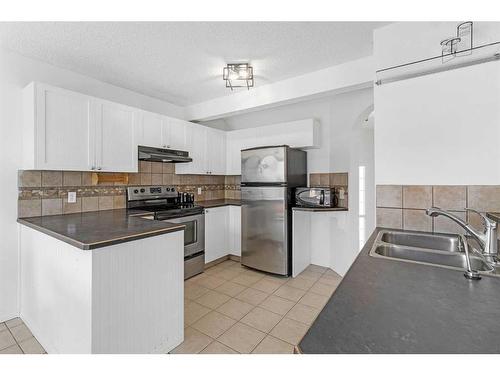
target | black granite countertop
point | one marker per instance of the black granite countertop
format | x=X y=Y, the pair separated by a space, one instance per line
x=219 y=203
x=320 y=209
x=92 y=230
x=388 y=306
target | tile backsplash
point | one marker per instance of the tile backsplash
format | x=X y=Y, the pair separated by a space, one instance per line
x=44 y=193
x=403 y=206
x=332 y=180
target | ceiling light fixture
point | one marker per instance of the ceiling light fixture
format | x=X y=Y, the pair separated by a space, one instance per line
x=238 y=75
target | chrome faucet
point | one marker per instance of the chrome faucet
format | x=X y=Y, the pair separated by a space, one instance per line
x=487 y=239
x=469 y=272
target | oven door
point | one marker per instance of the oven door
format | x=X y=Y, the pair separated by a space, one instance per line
x=194 y=233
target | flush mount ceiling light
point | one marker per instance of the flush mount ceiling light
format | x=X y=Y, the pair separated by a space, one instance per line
x=238 y=75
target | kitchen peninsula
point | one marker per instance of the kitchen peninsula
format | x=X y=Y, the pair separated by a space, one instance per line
x=102 y=282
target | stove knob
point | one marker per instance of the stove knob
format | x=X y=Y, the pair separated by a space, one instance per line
x=136 y=191
x=168 y=189
x=143 y=190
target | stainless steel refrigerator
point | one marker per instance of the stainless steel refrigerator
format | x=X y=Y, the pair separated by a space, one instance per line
x=268 y=178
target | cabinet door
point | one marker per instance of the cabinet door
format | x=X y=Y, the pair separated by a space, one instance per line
x=234 y=240
x=177 y=134
x=151 y=130
x=233 y=154
x=216 y=152
x=216 y=220
x=64 y=130
x=115 y=143
x=194 y=143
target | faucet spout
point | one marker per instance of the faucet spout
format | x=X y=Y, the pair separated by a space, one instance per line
x=486 y=239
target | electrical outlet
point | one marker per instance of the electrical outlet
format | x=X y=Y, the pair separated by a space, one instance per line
x=71 y=196
x=341 y=194
x=199 y=191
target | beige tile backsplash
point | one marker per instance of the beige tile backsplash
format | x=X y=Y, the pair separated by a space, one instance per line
x=417 y=197
x=333 y=180
x=45 y=192
x=403 y=206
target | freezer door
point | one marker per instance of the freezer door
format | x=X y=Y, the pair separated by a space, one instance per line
x=264 y=229
x=263 y=165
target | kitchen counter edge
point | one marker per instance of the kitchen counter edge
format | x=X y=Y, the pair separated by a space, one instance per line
x=320 y=209
x=388 y=306
x=145 y=228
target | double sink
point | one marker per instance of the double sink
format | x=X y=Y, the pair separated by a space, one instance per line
x=441 y=250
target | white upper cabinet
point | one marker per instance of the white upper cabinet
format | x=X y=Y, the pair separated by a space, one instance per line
x=64 y=130
x=303 y=134
x=177 y=134
x=151 y=130
x=215 y=152
x=207 y=148
x=195 y=144
x=58 y=129
x=161 y=131
x=116 y=146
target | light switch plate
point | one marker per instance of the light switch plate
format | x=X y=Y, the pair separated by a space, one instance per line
x=199 y=191
x=71 y=196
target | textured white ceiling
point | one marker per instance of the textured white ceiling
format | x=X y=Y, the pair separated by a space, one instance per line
x=181 y=62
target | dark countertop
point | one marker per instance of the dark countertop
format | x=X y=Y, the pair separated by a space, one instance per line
x=219 y=203
x=92 y=230
x=388 y=306
x=320 y=209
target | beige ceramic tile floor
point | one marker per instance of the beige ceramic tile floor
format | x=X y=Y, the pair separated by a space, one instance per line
x=229 y=309
x=16 y=338
x=233 y=309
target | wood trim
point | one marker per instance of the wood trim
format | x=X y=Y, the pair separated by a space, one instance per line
x=100 y=178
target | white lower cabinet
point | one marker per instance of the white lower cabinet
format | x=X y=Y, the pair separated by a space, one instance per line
x=322 y=238
x=222 y=232
x=234 y=238
x=216 y=220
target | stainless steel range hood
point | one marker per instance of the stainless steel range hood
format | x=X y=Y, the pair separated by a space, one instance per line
x=163 y=155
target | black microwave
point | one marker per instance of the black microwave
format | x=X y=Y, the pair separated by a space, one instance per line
x=316 y=197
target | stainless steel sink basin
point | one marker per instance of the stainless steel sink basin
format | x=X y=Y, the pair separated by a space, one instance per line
x=443 y=242
x=441 y=250
x=456 y=260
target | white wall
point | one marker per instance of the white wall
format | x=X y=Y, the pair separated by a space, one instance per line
x=16 y=72
x=346 y=143
x=357 y=74
x=437 y=129
x=403 y=42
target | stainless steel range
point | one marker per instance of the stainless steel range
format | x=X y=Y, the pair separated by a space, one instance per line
x=166 y=204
